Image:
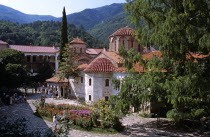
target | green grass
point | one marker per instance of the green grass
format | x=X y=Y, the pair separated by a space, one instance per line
x=96 y=130
x=43 y=117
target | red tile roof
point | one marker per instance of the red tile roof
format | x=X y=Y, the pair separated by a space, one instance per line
x=35 y=49
x=113 y=55
x=152 y=54
x=93 y=51
x=126 y=31
x=57 y=80
x=77 y=41
x=2 y=42
x=81 y=55
x=100 y=65
x=82 y=66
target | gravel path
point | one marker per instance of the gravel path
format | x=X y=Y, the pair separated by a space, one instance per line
x=135 y=125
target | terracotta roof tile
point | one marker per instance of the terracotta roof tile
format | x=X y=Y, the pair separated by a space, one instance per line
x=152 y=54
x=93 y=51
x=82 y=67
x=3 y=42
x=100 y=65
x=57 y=80
x=35 y=49
x=113 y=55
x=82 y=55
x=126 y=31
x=77 y=41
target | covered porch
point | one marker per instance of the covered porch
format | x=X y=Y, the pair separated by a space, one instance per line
x=59 y=88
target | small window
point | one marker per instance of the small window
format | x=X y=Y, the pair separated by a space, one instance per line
x=34 y=58
x=28 y=58
x=106 y=82
x=80 y=50
x=81 y=79
x=90 y=82
x=132 y=44
x=89 y=97
x=106 y=98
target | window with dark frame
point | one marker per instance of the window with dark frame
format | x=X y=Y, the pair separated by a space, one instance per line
x=34 y=58
x=28 y=59
x=106 y=98
x=81 y=79
x=89 y=97
x=90 y=82
x=106 y=82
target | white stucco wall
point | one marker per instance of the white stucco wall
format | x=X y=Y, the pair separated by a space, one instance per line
x=97 y=89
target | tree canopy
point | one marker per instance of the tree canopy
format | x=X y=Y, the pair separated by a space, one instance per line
x=13 y=73
x=42 y=33
x=181 y=30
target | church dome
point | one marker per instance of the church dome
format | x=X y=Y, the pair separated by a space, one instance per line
x=126 y=31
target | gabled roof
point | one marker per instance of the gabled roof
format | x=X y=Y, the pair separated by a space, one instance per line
x=57 y=80
x=3 y=42
x=100 y=65
x=35 y=49
x=113 y=55
x=77 y=41
x=93 y=51
x=126 y=31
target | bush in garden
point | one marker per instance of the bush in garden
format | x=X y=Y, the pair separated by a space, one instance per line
x=63 y=126
x=107 y=116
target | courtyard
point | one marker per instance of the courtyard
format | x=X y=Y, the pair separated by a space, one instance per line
x=134 y=124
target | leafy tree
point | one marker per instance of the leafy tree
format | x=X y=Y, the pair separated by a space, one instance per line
x=13 y=72
x=181 y=78
x=64 y=36
x=44 y=72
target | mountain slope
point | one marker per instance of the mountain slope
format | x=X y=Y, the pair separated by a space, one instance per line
x=9 y=14
x=90 y=17
x=87 y=18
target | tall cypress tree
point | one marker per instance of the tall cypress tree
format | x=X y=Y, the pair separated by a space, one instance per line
x=64 y=36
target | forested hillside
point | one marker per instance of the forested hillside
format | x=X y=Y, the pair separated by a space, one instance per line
x=43 y=33
x=91 y=17
x=88 y=17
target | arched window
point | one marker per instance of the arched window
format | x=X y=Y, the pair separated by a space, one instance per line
x=106 y=82
x=90 y=82
x=89 y=97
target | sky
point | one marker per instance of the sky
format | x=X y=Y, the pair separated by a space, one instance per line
x=55 y=7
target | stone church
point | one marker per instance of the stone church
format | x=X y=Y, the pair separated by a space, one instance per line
x=97 y=71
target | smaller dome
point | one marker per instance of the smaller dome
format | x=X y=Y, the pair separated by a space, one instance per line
x=77 y=41
x=126 y=31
